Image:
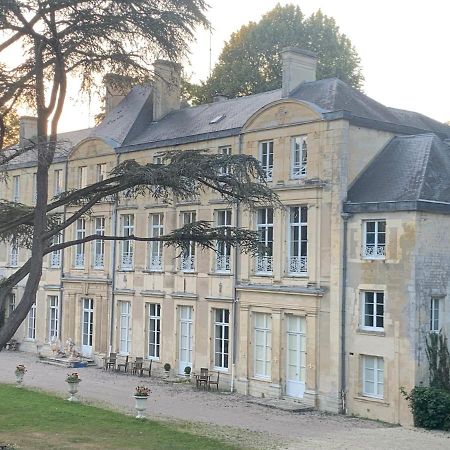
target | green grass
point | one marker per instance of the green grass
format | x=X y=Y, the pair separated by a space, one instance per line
x=35 y=420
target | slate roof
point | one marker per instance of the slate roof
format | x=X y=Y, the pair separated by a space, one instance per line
x=410 y=173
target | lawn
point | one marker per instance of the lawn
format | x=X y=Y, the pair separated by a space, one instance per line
x=35 y=420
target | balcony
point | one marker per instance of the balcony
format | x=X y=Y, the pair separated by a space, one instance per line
x=298 y=265
x=223 y=263
x=264 y=265
x=187 y=263
x=126 y=261
x=372 y=251
x=55 y=259
x=79 y=260
x=155 y=263
x=99 y=261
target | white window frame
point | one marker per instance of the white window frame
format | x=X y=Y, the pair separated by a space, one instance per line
x=53 y=318
x=223 y=249
x=188 y=257
x=377 y=249
x=435 y=314
x=224 y=151
x=11 y=303
x=82 y=176
x=31 y=323
x=264 y=228
x=379 y=300
x=298 y=241
x=127 y=247
x=56 y=256
x=262 y=333
x=34 y=189
x=374 y=365
x=101 y=172
x=299 y=157
x=221 y=339
x=14 y=253
x=266 y=158
x=80 y=254
x=98 y=260
x=154 y=331
x=16 y=188
x=155 y=248
x=57 y=181
x=158 y=159
x=124 y=327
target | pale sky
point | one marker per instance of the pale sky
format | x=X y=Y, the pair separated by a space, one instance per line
x=403 y=45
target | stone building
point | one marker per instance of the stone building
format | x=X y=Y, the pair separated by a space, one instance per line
x=356 y=271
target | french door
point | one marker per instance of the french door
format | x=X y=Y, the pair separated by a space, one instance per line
x=185 y=341
x=87 y=326
x=295 y=356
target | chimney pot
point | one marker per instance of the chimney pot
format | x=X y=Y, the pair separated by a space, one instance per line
x=299 y=65
x=28 y=129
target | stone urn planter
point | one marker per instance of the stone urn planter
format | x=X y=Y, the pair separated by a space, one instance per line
x=141 y=396
x=187 y=372
x=166 y=370
x=20 y=373
x=73 y=380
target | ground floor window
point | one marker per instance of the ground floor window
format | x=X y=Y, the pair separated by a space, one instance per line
x=373 y=376
x=125 y=326
x=31 y=328
x=221 y=338
x=154 y=330
x=53 y=317
x=262 y=345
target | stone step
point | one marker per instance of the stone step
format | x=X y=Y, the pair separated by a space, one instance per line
x=66 y=362
x=282 y=404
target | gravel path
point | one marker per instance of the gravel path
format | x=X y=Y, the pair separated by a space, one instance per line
x=232 y=417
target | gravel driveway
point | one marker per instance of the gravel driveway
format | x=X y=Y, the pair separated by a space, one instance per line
x=231 y=417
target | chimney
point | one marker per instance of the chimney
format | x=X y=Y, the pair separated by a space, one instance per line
x=116 y=88
x=28 y=129
x=166 y=88
x=298 y=65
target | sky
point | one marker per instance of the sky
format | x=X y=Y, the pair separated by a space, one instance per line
x=403 y=46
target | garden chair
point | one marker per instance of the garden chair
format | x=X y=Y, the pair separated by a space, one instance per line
x=110 y=361
x=124 y=365
x=214 y=381
x=147 y=369
x=137 y=366
x=203 y=378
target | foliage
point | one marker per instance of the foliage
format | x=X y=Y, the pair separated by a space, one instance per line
x=26 y=414
x=9 y=127
x=250 y=61
x=187 y=370
x=166 y=367
x=438 y=360
x=142 y=391
x=73 y=378
x=430 y=407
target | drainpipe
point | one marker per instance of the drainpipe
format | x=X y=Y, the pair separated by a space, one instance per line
x=63 y=239
x=237 y=268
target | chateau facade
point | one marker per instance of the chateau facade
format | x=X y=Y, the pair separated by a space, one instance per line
x=356 y=268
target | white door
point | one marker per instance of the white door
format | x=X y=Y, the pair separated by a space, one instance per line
x=185 y=343
x=295 y=356
x=87 y=324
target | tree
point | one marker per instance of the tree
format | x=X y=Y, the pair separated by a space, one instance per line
x=9 y=127
x=250 y=61
x=87 y=38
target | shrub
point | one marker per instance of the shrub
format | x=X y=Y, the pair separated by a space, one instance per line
x=438 y=360
x=187 y=370
x=430 y=407
x=167 y=367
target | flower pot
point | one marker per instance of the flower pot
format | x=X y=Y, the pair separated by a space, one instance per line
x=73 y=389
x=19 y=379
x=141 y=406
x=166 y=373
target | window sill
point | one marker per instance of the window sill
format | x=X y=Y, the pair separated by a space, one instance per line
x=9 y=266
x=125 y=270
x=261 y=378
x=221 y=370
x=367 y=399
x=372 y=258
x=380 y=333
x=153 y=358
x=153 y=271
x=264 y=274
x=54 y=267
x=220 y=274
x=297 y=275
x=188 y=272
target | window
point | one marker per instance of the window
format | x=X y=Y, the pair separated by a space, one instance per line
x=263 y=345
x=82 y=177
x=80 y=233
x=298 y=240
x=57 y=180
x=373 y=376
x=264 y=225
x=154 y=330
x=155 y=248
x=101 y=172
x=126 y=261
x=223 y=255
x=221 y=338
x=188 y=256
x=374 y=239
x=125 y=326
x=55 y=257
x=14 y=254
x=53 y=319
x=435 y=324
x=373 y=311
x=266 y=158
x=99 y=244
x=16 y=188
x=158 y=159
x=31 y=325
x=224 y=151
x=299 y=156
x=11 y=303
x=34 y=189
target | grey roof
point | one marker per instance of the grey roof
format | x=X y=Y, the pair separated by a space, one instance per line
x=410 y=173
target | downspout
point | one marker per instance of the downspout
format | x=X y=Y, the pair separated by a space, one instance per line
x=237 y=269
x=63 y=239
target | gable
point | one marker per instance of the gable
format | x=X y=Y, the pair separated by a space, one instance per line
x=90 y=148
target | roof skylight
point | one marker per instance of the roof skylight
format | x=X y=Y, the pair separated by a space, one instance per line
x=217 y=119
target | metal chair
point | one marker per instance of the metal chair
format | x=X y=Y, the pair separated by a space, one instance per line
x=203 y=378
x=124 y=365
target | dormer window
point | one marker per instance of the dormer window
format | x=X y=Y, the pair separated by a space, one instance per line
x=217 y=119
x=374 y=246
x=299 y=156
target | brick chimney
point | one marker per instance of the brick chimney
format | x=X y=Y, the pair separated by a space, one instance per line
x=27 y=129
x=298 y=65
x=166 y=88
x=116 y=88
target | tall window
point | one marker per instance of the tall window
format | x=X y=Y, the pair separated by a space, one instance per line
x=224 y=151
x=223 y=255
x=101 y=172
x=264 y=225
x=221 y=338
x=373 y=311
x=155 y=248
x=31 y=323
x=127 y=256
x=11 y=303
x=299 y=156
x=374 y=239
x=266 y=158
x=188 y=256
x=34 y=189
x=263 y=345
x=16 y=188
x=82 y=177
x=435 y=324
x=298 y=240
x=80 y=233
x=373 y=376
x=58 y=181
x=125 y=325
x=154 y=330
x=99 y=244
x=14 y=253
x=55 y=257
x=53 y=319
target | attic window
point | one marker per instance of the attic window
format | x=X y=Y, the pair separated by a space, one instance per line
x=217 y=119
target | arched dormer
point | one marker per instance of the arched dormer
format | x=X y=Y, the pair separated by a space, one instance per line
x=92 y=147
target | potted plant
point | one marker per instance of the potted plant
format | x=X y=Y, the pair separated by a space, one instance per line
x=141 y=395
x=167 y=369
x=73 y=379
x=187 y=372
x=20 y=372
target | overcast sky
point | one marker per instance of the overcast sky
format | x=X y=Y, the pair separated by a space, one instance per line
x=403 y=45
